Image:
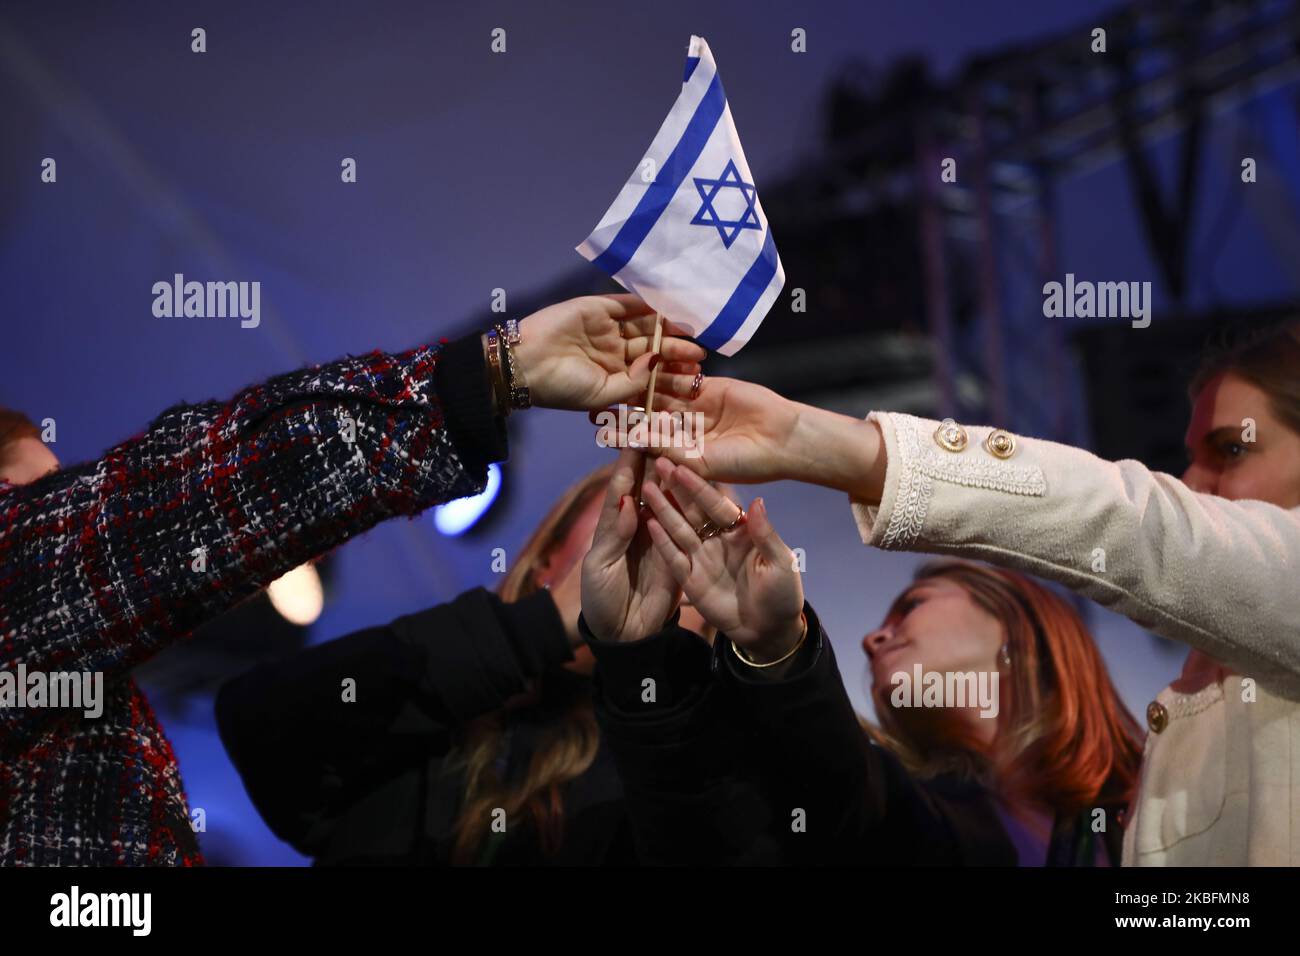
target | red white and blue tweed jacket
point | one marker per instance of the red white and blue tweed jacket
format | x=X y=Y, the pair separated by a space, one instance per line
x=97 y=569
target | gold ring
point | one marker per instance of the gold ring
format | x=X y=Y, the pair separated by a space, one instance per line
x=710 y=530
x=739 y=520
x=697 y=384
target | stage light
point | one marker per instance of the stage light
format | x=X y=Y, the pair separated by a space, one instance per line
x=456 y=517
x=298 y=595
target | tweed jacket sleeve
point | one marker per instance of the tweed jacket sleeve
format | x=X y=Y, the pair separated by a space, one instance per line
x=1218 y=575
x=103 y=564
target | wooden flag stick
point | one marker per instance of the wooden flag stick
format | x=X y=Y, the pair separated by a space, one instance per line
x=650 y=390
x=654 y=372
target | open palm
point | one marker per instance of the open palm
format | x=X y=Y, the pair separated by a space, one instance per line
x=628 y=591
x=743 y=581
x=594 y=351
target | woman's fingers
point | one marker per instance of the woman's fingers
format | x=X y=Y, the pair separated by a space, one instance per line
x=634 y=379
x=675 y=379
x=679 y=565
x=662 y=469
x=616 y=524
x=626 y=307
x=639 y=330
x=674 y=349
x=672 y=389
x=763 y=534
x=631 y=429
x=716 y=506
x=676 y=384
x=672 y=521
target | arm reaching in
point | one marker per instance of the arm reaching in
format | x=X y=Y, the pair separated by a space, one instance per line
x=107 y=562
x=750 y=434
x=1178 y=562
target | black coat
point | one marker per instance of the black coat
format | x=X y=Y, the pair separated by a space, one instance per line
x=369 y=781
x=719 y=766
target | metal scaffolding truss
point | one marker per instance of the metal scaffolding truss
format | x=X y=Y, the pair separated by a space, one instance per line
x=1017 y=124
x=926 y=295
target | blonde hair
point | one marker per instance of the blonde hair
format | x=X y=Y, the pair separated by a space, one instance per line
x=568 y=743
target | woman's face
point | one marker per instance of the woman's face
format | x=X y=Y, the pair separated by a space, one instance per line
x=937 y=624
x=1225 y=461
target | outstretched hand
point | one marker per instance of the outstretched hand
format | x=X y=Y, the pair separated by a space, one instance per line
x=732 y=430
x=596 y=350
x=743 y=580
x=627 y=590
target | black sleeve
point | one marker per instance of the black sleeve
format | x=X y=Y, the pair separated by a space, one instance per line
x=312 y=734
x=478 y=433
x=836 y=797
x=668 y=726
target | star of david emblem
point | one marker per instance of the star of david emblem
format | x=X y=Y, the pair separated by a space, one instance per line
x=728 y=229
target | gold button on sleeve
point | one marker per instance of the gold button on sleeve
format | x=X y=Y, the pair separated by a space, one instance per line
x=950 y=436
x=1000 y=443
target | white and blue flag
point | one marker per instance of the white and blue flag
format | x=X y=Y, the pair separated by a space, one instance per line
x=687 y=233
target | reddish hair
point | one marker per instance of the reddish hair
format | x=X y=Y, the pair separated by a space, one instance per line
x=1064 y=738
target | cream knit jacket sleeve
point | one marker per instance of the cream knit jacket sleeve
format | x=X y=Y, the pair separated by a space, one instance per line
x=1222 y=576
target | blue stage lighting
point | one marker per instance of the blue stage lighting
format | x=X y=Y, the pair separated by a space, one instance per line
x=456 y=517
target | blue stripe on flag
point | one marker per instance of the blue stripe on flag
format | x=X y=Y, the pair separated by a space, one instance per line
x=691 y=63
x=743 y=300
x=660 y=192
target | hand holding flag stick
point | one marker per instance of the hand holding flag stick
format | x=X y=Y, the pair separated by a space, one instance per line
x=595 y=351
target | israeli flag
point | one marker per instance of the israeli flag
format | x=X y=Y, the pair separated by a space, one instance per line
x=687 y=233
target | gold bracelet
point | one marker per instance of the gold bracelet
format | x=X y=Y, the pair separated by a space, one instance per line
x=744 y=658
x=498 y=384
x=516 y=388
